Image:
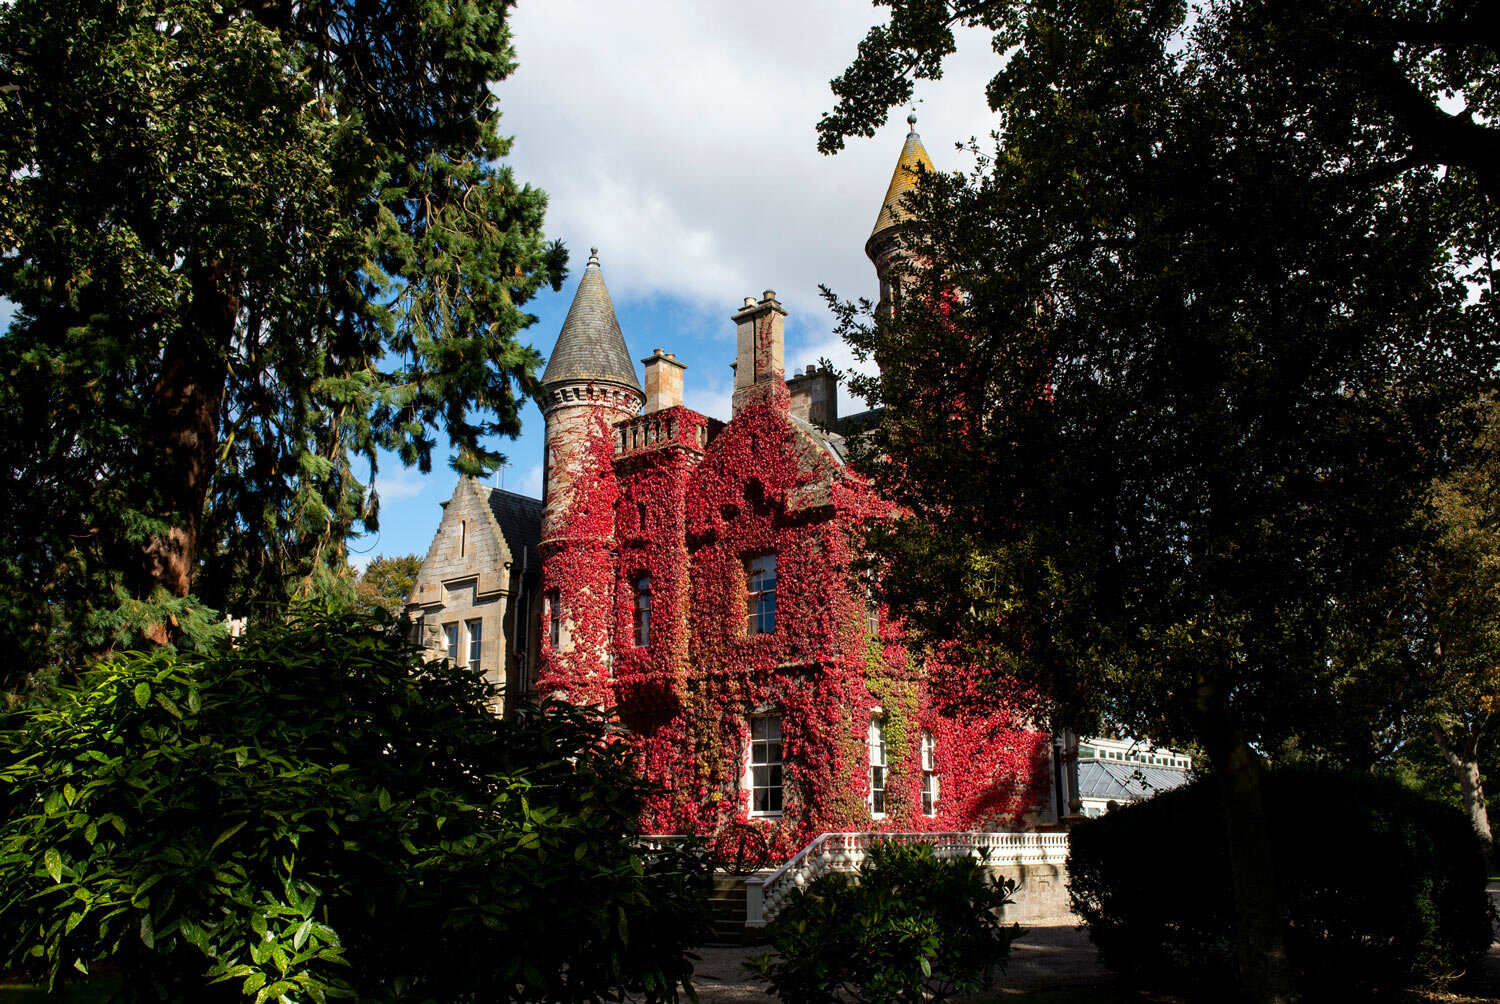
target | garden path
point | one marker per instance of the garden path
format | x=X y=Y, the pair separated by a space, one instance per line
x=1051 y=955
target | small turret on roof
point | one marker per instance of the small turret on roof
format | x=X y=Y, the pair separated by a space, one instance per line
x=903 y=180
x=591 y=346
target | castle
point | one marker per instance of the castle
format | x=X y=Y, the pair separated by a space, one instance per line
x=699 y=576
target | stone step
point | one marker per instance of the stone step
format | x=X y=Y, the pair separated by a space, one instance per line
x=727 y=910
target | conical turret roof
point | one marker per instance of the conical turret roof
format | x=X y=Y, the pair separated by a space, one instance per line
x=913 y=157
x=591 y=345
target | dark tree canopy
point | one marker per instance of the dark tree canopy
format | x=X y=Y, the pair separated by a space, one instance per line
x=249 y=246
x=1169 y=374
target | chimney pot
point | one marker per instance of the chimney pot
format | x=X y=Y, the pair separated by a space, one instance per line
x=749 y=301
x=770 y=294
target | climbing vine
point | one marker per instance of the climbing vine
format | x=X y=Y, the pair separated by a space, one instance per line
x=686 y=502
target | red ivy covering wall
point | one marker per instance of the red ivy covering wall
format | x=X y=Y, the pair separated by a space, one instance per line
x=689 y=515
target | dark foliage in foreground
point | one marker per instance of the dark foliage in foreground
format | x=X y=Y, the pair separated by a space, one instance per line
x=1381 y=887
x=910 y=928
x=316 y=813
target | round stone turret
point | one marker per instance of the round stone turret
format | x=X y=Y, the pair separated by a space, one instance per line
x=884 y=246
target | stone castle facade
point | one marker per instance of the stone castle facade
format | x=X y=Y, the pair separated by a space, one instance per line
x=700 y=577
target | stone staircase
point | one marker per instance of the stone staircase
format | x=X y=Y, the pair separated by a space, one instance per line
x=728 y=908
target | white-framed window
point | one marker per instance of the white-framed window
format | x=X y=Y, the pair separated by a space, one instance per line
x=450 y=635
x=876 y=743
x=642 y=610
x=554 y=618
x=764 y=776
x=929 y=774
x=476 y=640
x=760 y=594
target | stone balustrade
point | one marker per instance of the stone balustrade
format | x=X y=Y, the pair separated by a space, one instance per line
x=845 y=852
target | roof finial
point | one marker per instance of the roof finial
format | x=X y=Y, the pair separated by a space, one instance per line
x=593 y=257
x=911 y=120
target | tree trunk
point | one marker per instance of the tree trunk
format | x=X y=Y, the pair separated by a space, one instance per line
x=1465 y=763
x=184 y=429
x=1265 y=974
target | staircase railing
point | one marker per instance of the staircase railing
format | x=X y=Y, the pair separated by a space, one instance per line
x=845 y=852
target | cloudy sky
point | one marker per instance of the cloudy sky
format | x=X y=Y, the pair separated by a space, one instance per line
x=678 y=137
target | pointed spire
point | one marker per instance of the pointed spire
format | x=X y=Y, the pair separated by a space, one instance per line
x=591 y=345
x=913 y=155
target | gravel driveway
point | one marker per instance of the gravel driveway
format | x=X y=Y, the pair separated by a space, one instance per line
x=1051 y=955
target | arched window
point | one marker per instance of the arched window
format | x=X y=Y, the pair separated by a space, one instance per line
x=642 y=611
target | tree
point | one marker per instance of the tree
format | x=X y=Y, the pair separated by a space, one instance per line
x=1443 y=639
x=317 y=813
x=249 y=245
x=1197 y=318
x=387 y=582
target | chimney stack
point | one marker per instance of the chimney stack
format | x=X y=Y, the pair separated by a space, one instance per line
x=760 y=336
x=663 y=381
x=815 y=397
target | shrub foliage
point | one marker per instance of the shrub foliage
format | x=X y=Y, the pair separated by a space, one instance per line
x=317 y=814
x=1380 y=886
x=910 y=927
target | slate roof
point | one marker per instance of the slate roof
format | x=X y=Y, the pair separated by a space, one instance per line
x=1126 y=782
x=591 y=345
x=904 y=179
x=520 y=520
x=860 y=421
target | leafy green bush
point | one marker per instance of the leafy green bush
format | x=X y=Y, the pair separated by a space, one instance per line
x=317 y=814
x=909 y=927
x=1380 y=887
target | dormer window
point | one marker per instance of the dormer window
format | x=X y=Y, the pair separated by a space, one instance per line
x=760 y=594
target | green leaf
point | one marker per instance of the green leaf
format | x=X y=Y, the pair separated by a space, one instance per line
x=231 y=831
x=143 y=694
x=52 y=861
x=148 y=931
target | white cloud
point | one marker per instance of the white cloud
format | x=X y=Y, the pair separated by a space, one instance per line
x=713 y=396
x=530 y=483
x=395 y=482
x=678 y=138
